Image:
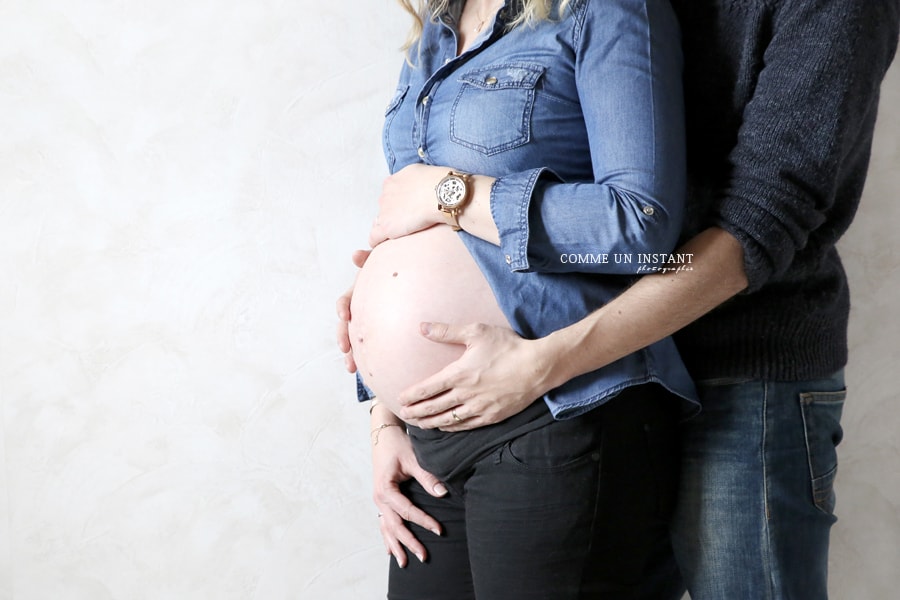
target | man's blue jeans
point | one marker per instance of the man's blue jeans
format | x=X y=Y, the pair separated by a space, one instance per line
x=756 y=498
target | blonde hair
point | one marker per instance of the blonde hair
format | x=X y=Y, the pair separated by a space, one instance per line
x=531 y=12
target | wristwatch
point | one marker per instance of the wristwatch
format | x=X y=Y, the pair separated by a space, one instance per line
x=453 y=193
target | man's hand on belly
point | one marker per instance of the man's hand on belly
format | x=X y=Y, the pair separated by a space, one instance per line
x=498 y=375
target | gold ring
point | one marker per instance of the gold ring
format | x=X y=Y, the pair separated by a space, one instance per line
x=455 y=416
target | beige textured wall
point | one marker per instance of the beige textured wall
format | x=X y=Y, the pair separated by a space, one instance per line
x=180 y=186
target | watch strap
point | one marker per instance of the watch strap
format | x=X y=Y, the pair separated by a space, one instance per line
x=454 y=212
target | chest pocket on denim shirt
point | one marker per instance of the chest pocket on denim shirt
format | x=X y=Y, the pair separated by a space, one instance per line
x=492 y=111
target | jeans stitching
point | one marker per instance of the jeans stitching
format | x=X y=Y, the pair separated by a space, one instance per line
x=515 y=463
x=767 y=555
x=595 y=515
x=820 y=494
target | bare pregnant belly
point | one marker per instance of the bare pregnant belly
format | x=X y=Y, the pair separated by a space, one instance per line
x=426 y=276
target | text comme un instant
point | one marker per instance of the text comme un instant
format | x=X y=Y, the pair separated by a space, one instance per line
x=628 y=258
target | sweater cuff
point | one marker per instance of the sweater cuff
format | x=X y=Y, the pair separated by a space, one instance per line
x=758 y=232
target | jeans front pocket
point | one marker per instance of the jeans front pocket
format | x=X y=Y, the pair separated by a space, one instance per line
x=821 y=413
x=557 y=446
x=492 y=111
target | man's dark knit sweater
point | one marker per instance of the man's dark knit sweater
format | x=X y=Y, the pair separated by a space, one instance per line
x=781 y=102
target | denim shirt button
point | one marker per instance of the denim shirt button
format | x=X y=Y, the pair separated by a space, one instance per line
x=648 y=210
x=425 y=101
x=490 y=80
x=421 y=152
x=508 y=259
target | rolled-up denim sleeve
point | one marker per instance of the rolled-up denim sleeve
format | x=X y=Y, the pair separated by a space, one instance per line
x=628 y=73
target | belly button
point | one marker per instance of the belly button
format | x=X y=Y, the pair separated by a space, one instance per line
x=395 y=274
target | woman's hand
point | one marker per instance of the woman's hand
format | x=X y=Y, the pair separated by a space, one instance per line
x=498 y=375
x=394 y=462
x=342 y=307
x=407 y=203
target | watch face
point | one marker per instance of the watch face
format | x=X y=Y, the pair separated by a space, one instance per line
x=452 y=191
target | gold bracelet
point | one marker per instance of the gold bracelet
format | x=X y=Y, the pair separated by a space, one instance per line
x=372 y=406
x=377 y=431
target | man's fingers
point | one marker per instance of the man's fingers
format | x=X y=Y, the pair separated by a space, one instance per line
x=443 y=333
x=445 y=421
x=428 y=388
x=465 y=425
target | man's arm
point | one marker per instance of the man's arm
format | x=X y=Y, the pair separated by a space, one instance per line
x=654 y=307
x=808 y=123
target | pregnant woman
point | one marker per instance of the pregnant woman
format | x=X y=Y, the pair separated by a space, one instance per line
x=536 y=151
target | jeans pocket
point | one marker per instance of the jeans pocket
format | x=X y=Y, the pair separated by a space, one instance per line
x=557 y=446
x=492 y=111
x=821 y=413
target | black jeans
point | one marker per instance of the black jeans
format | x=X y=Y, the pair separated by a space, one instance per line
x=574 y=510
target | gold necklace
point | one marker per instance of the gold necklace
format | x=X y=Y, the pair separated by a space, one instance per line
x=481 y=23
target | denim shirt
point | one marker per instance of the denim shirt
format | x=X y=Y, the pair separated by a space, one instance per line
x=580 y=119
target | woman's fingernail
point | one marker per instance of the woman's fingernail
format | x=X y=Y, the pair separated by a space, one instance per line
x=439 y=489
x=425 y=328
x=420 y=557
